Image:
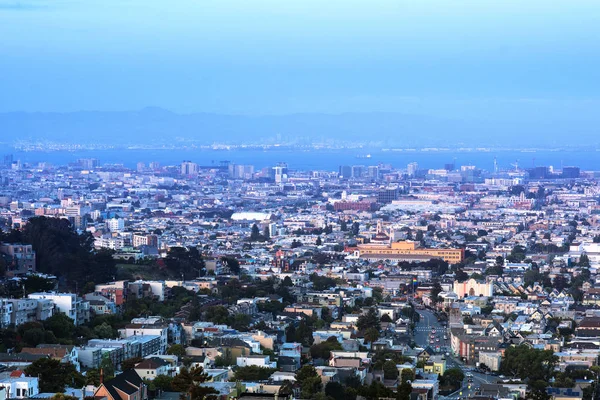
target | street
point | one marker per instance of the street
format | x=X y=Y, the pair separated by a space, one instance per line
x=422 y=336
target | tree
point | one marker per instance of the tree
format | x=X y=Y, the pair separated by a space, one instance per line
x=343 y=226
x=130 y=363
x=307 y=371
x=386 y=318
x=309 y=381
x=369 y=320
x=435 y=291
x=266 y=234
x=499 y=261
x=253 y=373
x=318 y=242
x=163 y=383
x=107 y=366
x=62 y=396
x=186 y=262
x=54 y=375
x=461 y=275
x=390 y=371
x=371 y=335
x=61 y=325
x=355 y=228
x=92 y=377
x=453 y=377
x=404 y=390
x=584 y=260
x=407 y=375
x=104 y=331
x=187 y=381
x=322 y=282
x=255 y=233
x=287 y=282
x=232 y=264
x=176 y=350
x=62 y=252
x=335 y=390
x=323 y=350
x=528 y=364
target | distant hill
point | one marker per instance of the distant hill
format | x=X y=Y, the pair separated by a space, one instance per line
x=155 y=125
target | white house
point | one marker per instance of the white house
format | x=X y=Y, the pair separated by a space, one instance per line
x=19 y=386
x=68 y=304
x=257 y=360
x=150 y=368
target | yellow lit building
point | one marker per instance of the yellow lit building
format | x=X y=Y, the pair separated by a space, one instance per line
x=410 y=251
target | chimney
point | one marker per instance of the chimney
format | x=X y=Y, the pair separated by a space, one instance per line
x=101 y=376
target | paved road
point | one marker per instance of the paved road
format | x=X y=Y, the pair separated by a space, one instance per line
x=422 y=337
x=423 y=331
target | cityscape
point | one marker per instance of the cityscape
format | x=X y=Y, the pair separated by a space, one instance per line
x=232 y=281
x=299 y=200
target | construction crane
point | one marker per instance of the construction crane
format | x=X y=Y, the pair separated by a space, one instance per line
x=516 y=165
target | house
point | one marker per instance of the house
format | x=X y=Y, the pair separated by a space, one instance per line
x=435 y=365
x=63 y=353
x=18 y=386
x=575 y=393
x=150 y=368
x=589 y=327
x=491 y=360
x=258 y=360
x=67 y=303
x=125 y=386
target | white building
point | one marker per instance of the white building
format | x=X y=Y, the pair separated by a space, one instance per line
x=257 y=360
x=473 y=288
x=160 y=330
x=20 y=387
x=6 y=311
x=115 y=224
x=68 y=304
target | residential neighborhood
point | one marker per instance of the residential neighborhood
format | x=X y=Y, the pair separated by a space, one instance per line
x=228 y=282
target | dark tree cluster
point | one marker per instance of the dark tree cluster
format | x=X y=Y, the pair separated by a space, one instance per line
x=61 y=251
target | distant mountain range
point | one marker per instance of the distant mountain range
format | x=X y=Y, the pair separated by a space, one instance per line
x=158 y=126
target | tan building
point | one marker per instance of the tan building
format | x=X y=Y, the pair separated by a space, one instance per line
x=472 y=287
x=408 y=250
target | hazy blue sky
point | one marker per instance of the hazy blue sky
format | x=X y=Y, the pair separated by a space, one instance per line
x=517 y=58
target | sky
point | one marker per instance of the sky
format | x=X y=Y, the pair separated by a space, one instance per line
x=515 y=59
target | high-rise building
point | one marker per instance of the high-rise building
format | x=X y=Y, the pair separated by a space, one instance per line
x=358 y=171
x=115 y=224
x=538 y=173
x=141 y=167
x=8 y=160
x=345 y=172
x=570 y=172
x=189 y=168
x=88 y=163
x=412 y=168
x=387 y=195
x=241 y=171
x=280 y=173
x=373 y=172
